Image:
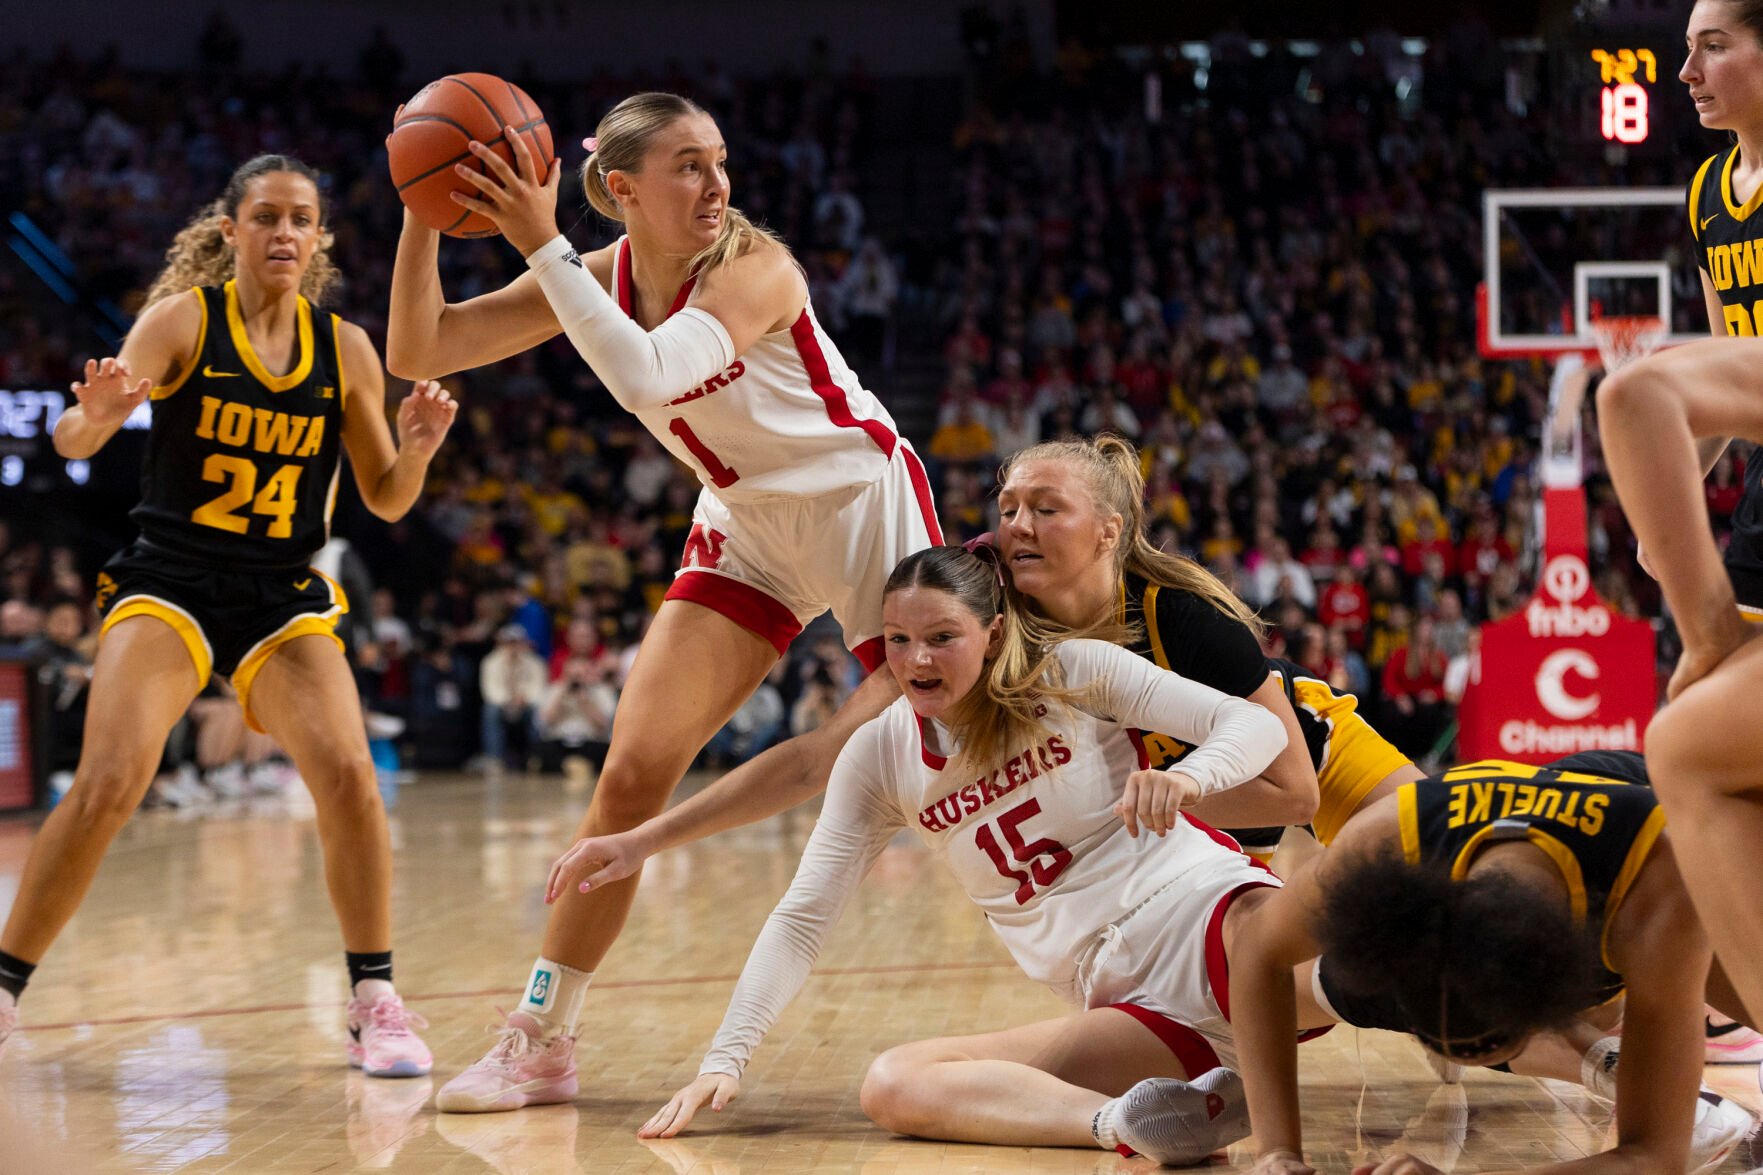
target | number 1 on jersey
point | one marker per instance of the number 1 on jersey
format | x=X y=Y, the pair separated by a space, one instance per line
x=721 y=476
x=1040 y=872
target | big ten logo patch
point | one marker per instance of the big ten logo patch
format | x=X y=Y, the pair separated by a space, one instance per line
x=541 y=987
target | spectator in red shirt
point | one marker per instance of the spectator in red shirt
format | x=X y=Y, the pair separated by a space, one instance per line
x=580 y=639
x=1428 y=541
x=1724 y=489
x=1346 y=605
x=1414 y=692
x=1483 y=550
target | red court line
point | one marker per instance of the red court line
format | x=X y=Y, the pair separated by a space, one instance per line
x=506 y=992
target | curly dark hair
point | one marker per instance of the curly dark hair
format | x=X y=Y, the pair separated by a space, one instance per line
x=1480 y=960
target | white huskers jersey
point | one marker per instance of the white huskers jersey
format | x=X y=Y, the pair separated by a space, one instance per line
x=1034 y=841
x=787 y=419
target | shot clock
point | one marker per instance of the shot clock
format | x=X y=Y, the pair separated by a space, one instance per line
x=1625 y=101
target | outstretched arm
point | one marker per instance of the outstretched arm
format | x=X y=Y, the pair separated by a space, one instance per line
x=428 y=337
x=1660 y=948
x=156 y=357
x=855 y=826
x=1273 y=939
x=775 y=781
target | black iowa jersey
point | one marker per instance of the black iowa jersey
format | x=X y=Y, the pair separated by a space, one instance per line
x=1188 y=634
x=1729 y=248
x=241 y=464
x=1598 y=830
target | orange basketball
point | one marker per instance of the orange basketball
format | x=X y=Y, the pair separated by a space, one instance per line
x=431 y=134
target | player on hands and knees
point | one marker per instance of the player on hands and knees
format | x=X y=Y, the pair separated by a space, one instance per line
x=1013 y=756
x=1483 y=909
x=255 y=397
x=699 y=324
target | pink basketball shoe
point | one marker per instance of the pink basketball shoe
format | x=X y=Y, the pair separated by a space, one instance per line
x=1730 y=1043
x=380 y=1041
x=8 y=1022
x=519 y=1070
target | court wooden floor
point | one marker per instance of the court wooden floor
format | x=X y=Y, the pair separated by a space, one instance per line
x=191 y=1018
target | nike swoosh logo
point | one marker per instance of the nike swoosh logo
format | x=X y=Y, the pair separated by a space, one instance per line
x=300 y=587
x=1709 y=221
x=210 y=373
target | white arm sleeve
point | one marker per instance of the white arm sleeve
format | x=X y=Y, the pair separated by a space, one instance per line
x=856 y=823
x=641 y=368
x=1234 y=740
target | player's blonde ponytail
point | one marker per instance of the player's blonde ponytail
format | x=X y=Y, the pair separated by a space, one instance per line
x=1110 y=470
x=200 y=256
x=622 y=140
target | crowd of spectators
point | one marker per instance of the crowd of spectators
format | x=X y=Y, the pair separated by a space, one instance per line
x=1267 y=290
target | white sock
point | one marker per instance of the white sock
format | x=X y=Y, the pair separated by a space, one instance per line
x=554 y=996
x=1597 y=1069
x=369 y=990
x=1104 y=1126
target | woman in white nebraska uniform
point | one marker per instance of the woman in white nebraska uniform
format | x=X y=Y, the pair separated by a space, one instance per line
x=810 y=495
x=1025 y=772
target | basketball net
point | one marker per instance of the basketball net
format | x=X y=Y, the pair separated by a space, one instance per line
x=1624 y=338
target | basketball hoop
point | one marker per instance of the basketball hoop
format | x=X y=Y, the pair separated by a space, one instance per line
x=1624 y=338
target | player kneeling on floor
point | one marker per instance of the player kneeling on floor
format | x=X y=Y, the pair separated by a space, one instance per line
x=1486 y=911
x=1005 y=740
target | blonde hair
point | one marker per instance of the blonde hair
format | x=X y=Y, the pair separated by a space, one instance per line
x=200 y=256
x=1004 y=712
x=1116 y=483
x=621 y=141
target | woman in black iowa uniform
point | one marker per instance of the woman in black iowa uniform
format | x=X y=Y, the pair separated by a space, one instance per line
x=1664 y=422
x=1483 y=908
x=254 y=394
x=1724 y=73
x=1070 y=529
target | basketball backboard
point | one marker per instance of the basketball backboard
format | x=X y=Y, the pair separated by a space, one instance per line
x=1555 y=259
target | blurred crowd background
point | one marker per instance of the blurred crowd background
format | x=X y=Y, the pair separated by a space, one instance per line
x=1265 y=280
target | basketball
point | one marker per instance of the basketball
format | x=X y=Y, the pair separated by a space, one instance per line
x=431 y=135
